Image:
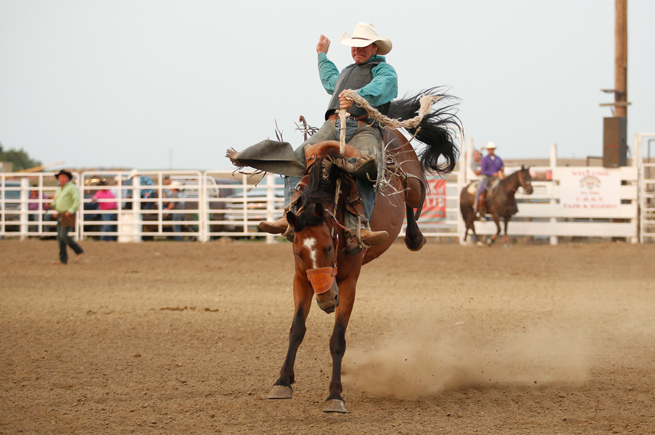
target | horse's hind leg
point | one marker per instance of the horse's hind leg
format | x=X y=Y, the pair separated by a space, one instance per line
x=497 y=222
x=414 y=239
x=303 y=298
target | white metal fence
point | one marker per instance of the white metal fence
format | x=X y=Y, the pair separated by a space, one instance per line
x=214 y=204
x=541 y=215
x=646 y=167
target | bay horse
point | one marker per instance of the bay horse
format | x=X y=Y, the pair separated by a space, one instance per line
x=323 y=269
x=500 y=202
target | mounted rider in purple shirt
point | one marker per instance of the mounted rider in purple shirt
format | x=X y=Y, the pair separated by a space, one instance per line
x=492 y=166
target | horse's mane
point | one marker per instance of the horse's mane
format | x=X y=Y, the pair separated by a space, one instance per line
x=436 y=130
x=318 y=195
x=515 y=174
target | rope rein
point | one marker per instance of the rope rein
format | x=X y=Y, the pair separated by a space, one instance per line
x=384 y=176
x=426 y=102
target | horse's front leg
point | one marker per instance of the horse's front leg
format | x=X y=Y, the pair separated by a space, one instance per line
x=302 y=295
x=335 y=402
x=505 y=236
x=470 y=223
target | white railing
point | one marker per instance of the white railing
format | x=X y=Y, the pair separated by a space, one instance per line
x=220 y=204
x=646 y=159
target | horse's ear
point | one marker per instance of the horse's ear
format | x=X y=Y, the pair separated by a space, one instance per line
x=291 y=218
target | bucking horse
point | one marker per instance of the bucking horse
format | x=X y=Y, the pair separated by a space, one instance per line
x=323 y=268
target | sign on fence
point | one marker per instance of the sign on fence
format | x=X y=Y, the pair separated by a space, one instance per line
x=589 y=189
x=434 y=209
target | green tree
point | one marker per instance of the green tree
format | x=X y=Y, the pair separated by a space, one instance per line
x=19 y=158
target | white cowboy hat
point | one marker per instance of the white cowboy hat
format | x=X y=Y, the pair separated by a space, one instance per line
x=491 y=146
x=365 y=34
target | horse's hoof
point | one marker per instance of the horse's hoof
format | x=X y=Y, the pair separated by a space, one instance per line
x=413 y=246
x=280 y=392
x=335 y=405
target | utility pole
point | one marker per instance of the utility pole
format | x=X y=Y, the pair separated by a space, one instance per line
x=621 y=60
x=615 y=127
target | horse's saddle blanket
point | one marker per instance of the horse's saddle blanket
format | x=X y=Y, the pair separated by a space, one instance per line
x=473 y=186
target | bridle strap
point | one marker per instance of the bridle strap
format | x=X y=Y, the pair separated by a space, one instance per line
x=520 y=175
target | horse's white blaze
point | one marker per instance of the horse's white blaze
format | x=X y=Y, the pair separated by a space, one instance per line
x=310 y=244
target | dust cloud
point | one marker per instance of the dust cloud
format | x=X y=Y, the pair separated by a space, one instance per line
x=412 y=365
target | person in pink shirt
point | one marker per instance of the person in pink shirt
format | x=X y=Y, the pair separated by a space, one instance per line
x=106 y=201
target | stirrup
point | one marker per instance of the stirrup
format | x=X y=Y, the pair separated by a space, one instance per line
x=353 y=247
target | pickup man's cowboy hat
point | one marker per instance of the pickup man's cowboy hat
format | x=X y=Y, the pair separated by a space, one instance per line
x=65 y=172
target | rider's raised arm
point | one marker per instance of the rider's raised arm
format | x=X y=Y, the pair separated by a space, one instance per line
x=328 y=72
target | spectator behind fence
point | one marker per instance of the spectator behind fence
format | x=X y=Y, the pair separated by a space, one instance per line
x=475 y=164
x=146 y=187
x=106 y=201
x=66 y=202
x=33 y=206
x=174 y=192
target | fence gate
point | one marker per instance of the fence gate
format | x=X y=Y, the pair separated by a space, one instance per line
x=644 y=153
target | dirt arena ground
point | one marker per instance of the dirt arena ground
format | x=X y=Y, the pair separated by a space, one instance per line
x=167 y=337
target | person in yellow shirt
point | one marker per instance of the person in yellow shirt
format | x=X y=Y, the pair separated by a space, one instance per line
x=66 y=202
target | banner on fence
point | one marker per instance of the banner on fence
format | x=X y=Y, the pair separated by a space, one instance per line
x=434 y=209
x=590 y=189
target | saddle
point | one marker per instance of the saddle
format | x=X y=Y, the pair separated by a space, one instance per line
x=351 y=161
x=473 y=186
x=321 y=149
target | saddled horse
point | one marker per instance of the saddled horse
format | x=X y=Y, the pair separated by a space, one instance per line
x=500 y=202
x=323 y=269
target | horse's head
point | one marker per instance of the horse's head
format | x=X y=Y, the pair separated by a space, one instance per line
x=525 y=179
x=317 y=235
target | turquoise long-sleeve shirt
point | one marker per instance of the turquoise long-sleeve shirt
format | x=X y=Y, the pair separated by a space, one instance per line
x=382 y=89
x=67 y=199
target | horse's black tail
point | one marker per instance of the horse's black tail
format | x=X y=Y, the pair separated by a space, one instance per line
x=437 y=129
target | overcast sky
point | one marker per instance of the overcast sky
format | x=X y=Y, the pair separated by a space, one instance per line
x=155 y=84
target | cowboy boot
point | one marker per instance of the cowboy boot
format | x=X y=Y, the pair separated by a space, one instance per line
x=276 y=227
x=373 y=238
x=481 y=207
x=370 y=238
x=293 y=188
